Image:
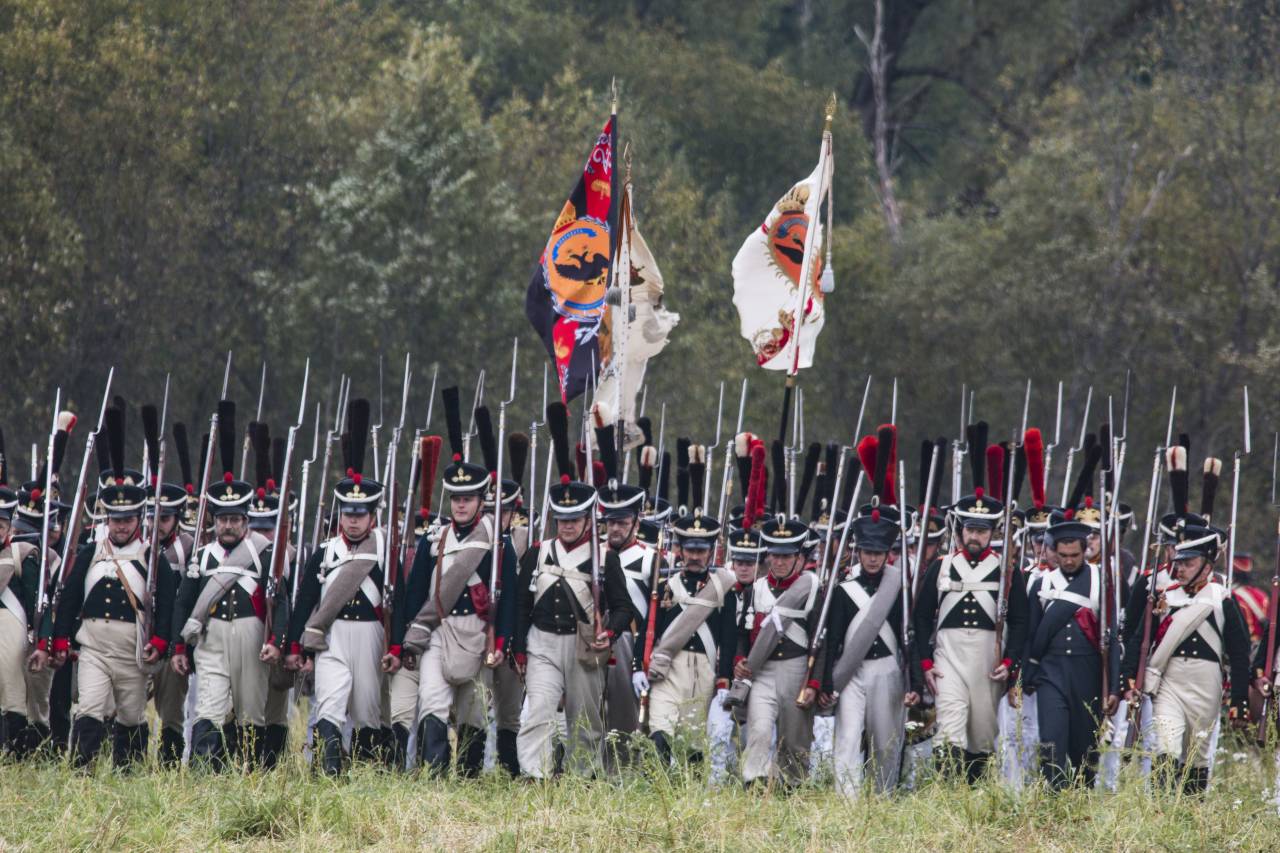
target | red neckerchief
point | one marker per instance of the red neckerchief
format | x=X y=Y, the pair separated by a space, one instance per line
x=784 y=583
x=586 y=533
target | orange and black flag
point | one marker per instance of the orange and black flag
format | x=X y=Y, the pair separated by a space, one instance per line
x=565 y=301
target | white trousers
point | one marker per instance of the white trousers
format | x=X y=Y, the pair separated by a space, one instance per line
x=233 y=680
x=349 y=675
x=967 y=697
x=554 y=672
x=1186 y=708
x=870 y=704
x=107 y=675
x=771 y=707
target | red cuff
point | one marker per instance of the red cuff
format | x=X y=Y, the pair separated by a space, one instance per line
x=159 y=644
x=395 y=651
x=722 y=684
x=1008 y=663
x=179 y=649
x=612 y=635
x=522 y=658
x=499 y=642
x=737 y=659
x=295 y=648
x=814 y=685
x=43 y=644
x=271 y=641
x=62 y=644
x=926 y=664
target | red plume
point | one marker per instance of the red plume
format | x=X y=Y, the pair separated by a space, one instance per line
x=867 y=449
x=599 y=476
x=886 y=462
x=1033 y=444
x=995 y=471
x=756 y=486
x=582 y=462
x=429 y=460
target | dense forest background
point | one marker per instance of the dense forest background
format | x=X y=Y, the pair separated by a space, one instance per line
x=1060 y=190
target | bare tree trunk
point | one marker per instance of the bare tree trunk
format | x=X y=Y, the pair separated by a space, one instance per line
x=877 y=67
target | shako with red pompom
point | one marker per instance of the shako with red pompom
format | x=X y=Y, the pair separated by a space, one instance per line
x=875 y=531
x=978 y=510
x=356 y=493
x=465 y=478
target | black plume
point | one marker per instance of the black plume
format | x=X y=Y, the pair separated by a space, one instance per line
x=976 y=436
x=358 y=412
x=4 y=462
x=183 y=449
x=607 y=450
x=279 y=448
x=646 y=430
x=104 y=452
x=811 y=457
x=779 y=477
x=59 y=450
x=260 y=440
x=518 y=451
x=227 y=434
x=697 y=475
x=115 y=441
x=151 y=433
x=1084 y=483
x=453 y=418
x=664 y=477
x=926 y=457
x=558 y=425
x=344 y=443
x=682 y=487
x=488 y=441
x=204 y=452
x=682 y=452
x=832 y=463
x=1019 y=471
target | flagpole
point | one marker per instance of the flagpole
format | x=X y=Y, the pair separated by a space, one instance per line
x=622 y=281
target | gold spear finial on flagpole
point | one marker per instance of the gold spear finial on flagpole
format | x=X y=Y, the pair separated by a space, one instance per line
x=831 y=112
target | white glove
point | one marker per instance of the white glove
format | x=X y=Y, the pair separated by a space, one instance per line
x=640 y=682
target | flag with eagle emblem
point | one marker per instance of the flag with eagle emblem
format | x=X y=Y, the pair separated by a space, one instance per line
x=766 y=276
x=565 y=301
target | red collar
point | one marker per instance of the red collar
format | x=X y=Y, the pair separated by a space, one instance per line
x=785 y=583
x=961 y=552
x=586 y=534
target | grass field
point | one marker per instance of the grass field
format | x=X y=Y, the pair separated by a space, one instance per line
x=52 y=808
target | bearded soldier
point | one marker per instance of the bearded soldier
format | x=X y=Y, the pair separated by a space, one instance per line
x=955 y=621
x=864 y=627
x=220 y=612
x=771 y=663
x=448 y=603
x=704 y=664
x=1199 y=637
x=337 y=622
x=104 y=606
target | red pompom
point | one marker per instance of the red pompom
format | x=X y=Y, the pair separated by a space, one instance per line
x=457 y=457
x=36 y=494
x=351 y=472
x=1088 y=501
x=358 y=478
x=271 y=484
x=493 y=476
x=875 y=515
x=191 y=490
x=979 y=492
x=227 y=477
x=1069 y=514
x=155 y=481
x=262 y=493
x=564 y=479
x=424 y=513
x=120 y=480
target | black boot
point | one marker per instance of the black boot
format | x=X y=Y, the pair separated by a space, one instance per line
x=87 y=734
x=975 y=765
x=272 y=742
x=950 y=761
x=232 y=743
x=1166 y=773
x=470 y=751
x=433 y=745
x=1197 y=781
x=207 y=746
x=366 y=745
x=171 y=745
x=130 y=745
x=508 y=755
x=15 y=736
x=328 y=742
x=398 y=749
x=39 y=741
x=663 y=745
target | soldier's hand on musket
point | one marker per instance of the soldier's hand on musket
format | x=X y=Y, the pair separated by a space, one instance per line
x=1111 y=705
x=308 y=665
x=741 y=671
x=37 y=660
x=1131 y=696
x=180 y=664
x=1263 y=685
x=391 y=664
x=602 y=642
x=522 y=665
x=495 y=659
x=931 y=677
x=293 y=663
x=270 y=654
x=826 y=701
x=150 y=654
x=1238 y=717
x=1015 y=696
x=807 y=697
x=1000 y=673
x=912 y=699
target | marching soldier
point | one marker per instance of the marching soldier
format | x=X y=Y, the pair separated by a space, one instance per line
x=955 y=622
x=19 y=599
x=1063 y=661
x=508 y=690
x=1199 y=638
x=448 y=604
x=170 y=688
x=704 y=664
x=337 y=623
x=863 y=630
x=104 y=605
x=562 y=642
x=771 y=663
x=220 y=613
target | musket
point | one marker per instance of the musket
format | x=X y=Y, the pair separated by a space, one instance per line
x=533 y=454
x=959 y=448
x=71 y=539
x=202 y=507
x=626 y=460
x=711 y=459
x=1153 y=503
x=1026 y=406
x=595 y=532
x=244 y=451
x=651 y=623
x=280 y=536
x=476 y=399
x=839 y=482
x=1006 y=576
x=411 y=491
x=1269 y=669
x=300 y=555
x=33 y=629
x=1235 y=491
x=925 y=509
x=1072 y=451
x=339 y=413
x=1106 y=615
x=906 y=564
x=390 y=562
x=153 y=551
x=1057 y=434
x=495 y=565
x=727 y=474
x=377 y=427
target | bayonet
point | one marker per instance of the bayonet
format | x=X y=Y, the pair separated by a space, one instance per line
x=244 y=451
x=711 y=458
x=1076 y=448
x=377 y=427
x=476 y=399
x=1235 y=491
x=1026 y=407
x=492 y=653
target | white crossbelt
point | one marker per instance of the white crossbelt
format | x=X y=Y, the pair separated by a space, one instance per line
x=862 y=599
x=971 y=579
x=764 y=601
x=337 y=555
x=683 y=598
x=1053 y=587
